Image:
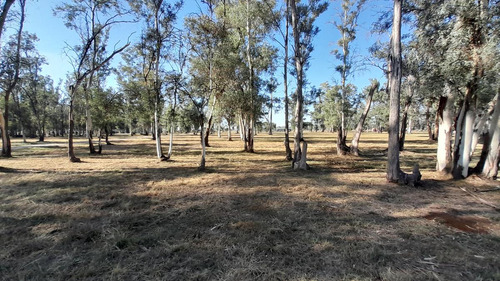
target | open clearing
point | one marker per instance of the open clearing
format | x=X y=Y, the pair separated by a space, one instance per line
x=124 y=215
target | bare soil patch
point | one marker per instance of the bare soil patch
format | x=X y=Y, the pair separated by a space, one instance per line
x=124 y=215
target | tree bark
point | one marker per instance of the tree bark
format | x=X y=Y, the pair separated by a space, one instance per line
x=463 y=135
x=445 y=114
x=491 y=160
x=428 y=120
x=201 y=167
x=229 y=137
x=359 y=127
x=480 y=126
x=393 y=168
x=300 y=81
x=71 y=151
x=404 y=119
x=288 y=151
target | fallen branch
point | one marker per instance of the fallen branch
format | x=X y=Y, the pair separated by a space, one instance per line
x=481 y=199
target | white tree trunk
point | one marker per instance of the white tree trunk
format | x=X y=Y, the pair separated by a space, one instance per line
x=490 y=169
x=444 y=156
x=393 y=168
x=159 y=152
x=171 y=142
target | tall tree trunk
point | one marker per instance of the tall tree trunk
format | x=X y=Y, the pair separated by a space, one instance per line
x=288 y=151
x=404 y=119
x=106 y=132
x=207 y=131
x=435 y=134
x=171 y=141
x=157 y=132
x=271 y=116
x=342 y=147
x=201 y=167
x=480 y=126
x=71 y=151
x=428 y=119
x=6 y=147
x=251 y=122
x=463 y=135
x=446 y=114
x=491 y=148
x=297 y=153
x=241 y=127
x=209 y=125
x=359 y=127
x=229 y=137
x=393 y=168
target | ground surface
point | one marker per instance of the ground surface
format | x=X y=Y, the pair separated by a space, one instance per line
x=125 y=216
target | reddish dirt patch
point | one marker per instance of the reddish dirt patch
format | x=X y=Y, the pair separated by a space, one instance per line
x=464 y=223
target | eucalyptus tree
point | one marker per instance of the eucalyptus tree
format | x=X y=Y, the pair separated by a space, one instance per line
x=204 y=35
x=159 y=17
x=176 y=78
x=10 y=71
x=83 y=56
x=394 y=83
x=460 y=40
x=303 y=17
x=250 y=22
x=347 y=29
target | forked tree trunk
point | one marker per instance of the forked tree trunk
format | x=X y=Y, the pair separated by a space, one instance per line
x=394 y=79
x=359 y=127
x=446 y=115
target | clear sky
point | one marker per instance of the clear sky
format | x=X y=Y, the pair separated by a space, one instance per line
x=54 y=37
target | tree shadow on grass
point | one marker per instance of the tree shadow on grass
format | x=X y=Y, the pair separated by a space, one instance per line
x=236 y=234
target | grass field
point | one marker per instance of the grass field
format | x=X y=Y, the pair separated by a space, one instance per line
x=124 y=215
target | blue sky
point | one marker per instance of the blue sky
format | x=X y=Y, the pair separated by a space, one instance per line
x=54 y=37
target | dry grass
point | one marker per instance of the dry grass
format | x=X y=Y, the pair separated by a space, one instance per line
x=125 y=216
